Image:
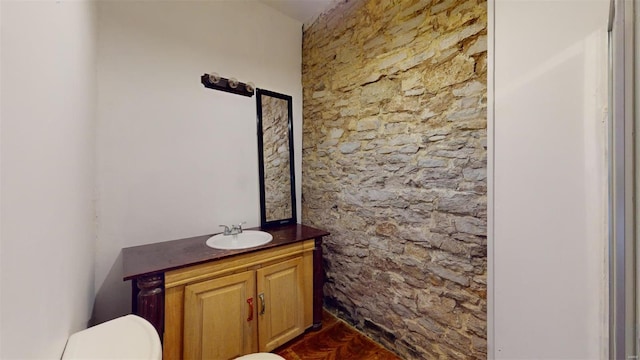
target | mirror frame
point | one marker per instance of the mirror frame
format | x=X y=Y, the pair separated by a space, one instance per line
x=263 y=211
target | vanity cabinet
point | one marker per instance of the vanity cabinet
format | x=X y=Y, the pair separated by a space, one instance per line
x=281 y=303
x=240 y=305
x=218 y=304
x=215 y=309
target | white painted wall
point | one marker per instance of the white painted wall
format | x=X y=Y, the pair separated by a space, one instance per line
x=47 y=179
x=549 y=180
x=176 y=159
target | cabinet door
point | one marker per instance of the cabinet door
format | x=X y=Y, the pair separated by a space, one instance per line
x=219 y=321
x=282 y=311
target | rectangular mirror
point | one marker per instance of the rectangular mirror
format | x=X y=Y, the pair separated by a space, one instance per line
x=275 y=157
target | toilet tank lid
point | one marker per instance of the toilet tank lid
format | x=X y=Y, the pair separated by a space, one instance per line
x=260 y=356
x=127 y=337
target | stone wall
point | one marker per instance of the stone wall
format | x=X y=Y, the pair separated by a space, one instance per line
x=394 y=166
x=277 y=173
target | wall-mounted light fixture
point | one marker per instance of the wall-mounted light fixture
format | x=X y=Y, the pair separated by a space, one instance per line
x=232 y=85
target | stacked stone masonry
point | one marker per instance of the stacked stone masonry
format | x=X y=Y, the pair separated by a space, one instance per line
x=394 y=166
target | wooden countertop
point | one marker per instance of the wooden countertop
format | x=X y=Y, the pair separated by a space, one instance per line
x=169 y=255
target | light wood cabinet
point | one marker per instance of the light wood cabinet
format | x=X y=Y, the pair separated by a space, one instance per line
x=220 y=309
x=281 y=303
x=239 y=305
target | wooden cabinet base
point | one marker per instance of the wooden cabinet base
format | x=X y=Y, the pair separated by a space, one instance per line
x=219 y=317
x=181 y=301
x=281 y=315
x=149 y=300
x=318 y=284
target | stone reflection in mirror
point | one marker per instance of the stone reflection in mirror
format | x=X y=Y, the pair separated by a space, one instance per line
x=275 y=146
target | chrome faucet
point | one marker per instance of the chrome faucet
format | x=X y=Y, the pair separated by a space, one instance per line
x=234 y=230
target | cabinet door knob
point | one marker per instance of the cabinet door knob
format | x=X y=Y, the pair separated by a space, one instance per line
x=250 y=302
x=262 y=306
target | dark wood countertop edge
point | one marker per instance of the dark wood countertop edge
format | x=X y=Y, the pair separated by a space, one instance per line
x=194 y=251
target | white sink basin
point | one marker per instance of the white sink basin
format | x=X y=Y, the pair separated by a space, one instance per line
x=244 y=240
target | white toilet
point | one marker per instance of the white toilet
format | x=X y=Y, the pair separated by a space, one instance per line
x=260 y=356
x=127 y=337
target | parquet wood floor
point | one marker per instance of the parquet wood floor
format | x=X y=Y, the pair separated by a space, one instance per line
x=335 y=341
